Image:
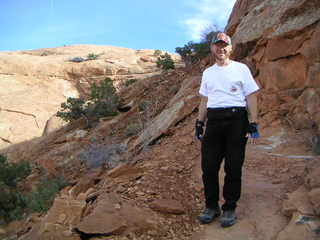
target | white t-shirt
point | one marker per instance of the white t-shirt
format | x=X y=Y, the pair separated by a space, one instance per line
x=227 y=86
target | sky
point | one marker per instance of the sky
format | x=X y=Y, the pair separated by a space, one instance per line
x=136 y=24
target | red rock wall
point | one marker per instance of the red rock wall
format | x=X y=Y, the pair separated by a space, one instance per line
x=279 y=40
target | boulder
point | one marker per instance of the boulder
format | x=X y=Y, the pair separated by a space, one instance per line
x=65 y=210
x=312 y=180
x=314 y=196
x=65 y=213
x=112 y=216
x=102 y=223
x=298 y=201
x=300 y=227
x=52 y=124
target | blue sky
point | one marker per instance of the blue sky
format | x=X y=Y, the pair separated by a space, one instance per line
x=137 y=24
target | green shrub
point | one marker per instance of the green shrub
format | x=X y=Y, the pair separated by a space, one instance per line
x=105 y=99
x=185 y=51
x=157 y=52
x=102 y=102
x=12 y=173
x=41 y=198
x=12 y=202
x=130 y=81
x=165 y=62
x=193 y=52
x=45 y=53
x=92 y=56
x=71 y=110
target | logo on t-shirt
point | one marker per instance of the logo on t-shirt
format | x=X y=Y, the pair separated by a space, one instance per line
x=233 y=89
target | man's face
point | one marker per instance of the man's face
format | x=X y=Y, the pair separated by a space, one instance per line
x=221 y=50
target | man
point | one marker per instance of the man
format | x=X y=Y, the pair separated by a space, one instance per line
x=227 y=90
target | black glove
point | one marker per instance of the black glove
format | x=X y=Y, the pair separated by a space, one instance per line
x=253 y=130
x=199 y=129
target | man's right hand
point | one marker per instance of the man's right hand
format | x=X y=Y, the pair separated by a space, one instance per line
x=199 y=129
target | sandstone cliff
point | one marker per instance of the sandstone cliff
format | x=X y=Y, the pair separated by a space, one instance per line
x=34 y=83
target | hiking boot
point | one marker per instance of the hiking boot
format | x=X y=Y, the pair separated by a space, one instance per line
x=228 y=218
x=208 y=215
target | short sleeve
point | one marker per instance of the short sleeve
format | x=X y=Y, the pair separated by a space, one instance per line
x=250 y=85
x=203 y=87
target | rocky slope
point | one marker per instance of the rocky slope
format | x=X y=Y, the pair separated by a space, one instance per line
x=34 y=83
x=137 y=176
x=124 y=188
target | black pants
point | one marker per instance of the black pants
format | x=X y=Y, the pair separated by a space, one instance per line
x=225 y=138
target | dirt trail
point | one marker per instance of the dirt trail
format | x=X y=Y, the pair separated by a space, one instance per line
x=258 y=213
x=263 y=188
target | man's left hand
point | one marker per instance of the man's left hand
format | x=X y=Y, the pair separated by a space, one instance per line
x=253 y=132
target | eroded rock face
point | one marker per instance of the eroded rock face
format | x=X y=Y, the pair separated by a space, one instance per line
x=34 y=83
x=271 y=19
x=279 y=40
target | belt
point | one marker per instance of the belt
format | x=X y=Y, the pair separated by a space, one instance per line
x=233 y=109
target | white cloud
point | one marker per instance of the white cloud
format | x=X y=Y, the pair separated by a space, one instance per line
x=207 y=13
x=195 y=26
